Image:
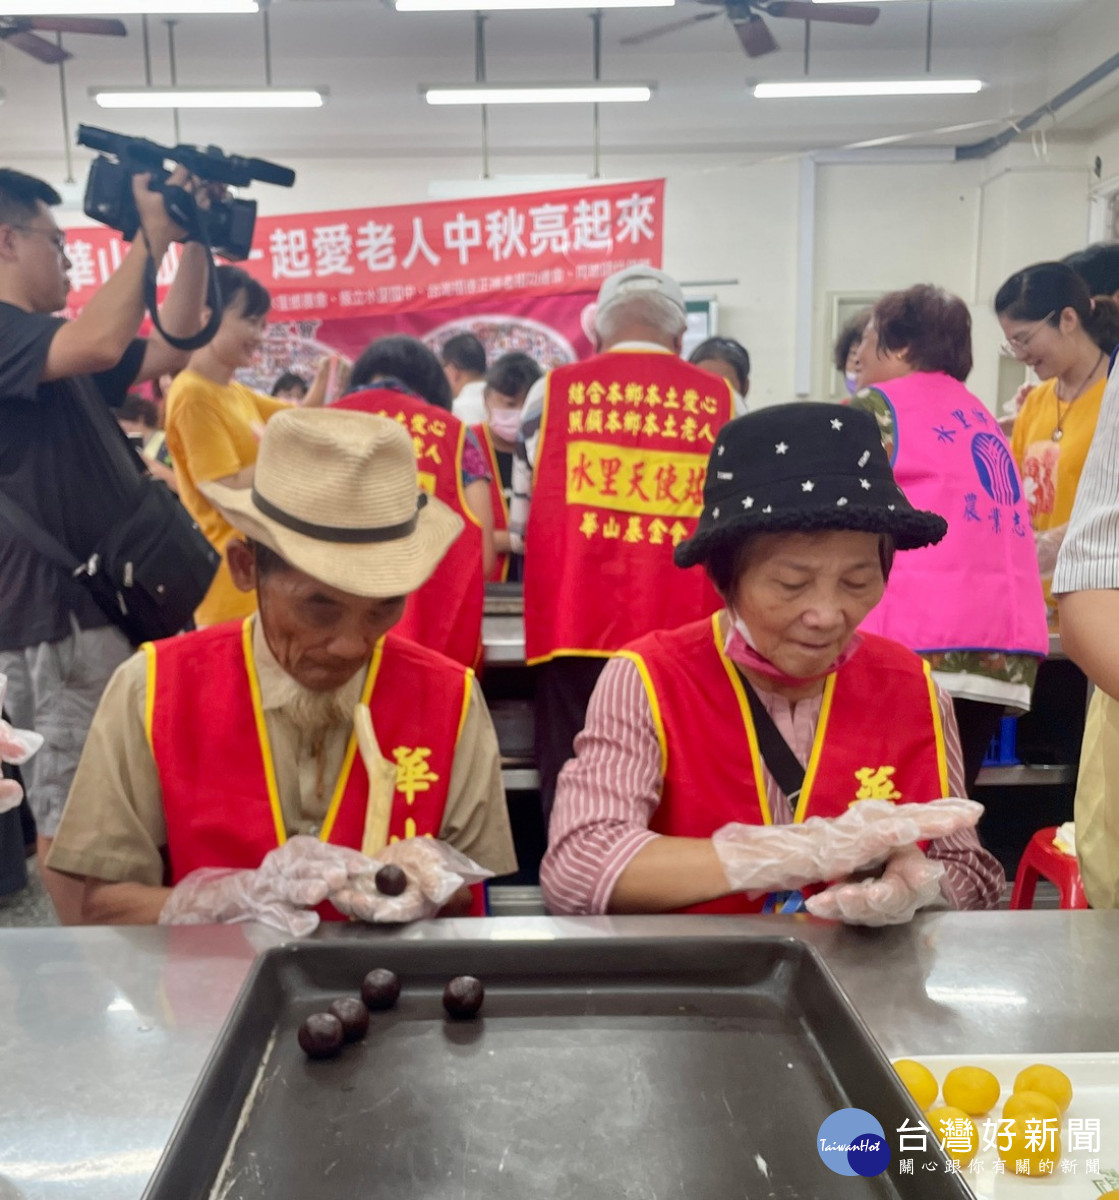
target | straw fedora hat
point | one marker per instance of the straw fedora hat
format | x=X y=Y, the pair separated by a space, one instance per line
x=335 y=494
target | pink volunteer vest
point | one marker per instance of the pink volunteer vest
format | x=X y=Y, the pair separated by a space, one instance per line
x=979 y=588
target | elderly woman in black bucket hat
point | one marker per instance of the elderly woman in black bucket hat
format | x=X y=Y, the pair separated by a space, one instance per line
x=771 y=758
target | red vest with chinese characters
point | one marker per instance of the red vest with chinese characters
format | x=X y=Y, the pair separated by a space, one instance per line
x=500 y=571
x=210 y=743
x=879 y=737
x=446 y=613
x=620 y=467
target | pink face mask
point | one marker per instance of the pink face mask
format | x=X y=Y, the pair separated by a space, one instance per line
x=505 y=422
x=740 y=649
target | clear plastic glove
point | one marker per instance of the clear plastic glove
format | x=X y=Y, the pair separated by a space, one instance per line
x=435 y=872
x=910 y=882
x=16 y=747
x=1048 y=544
x=290 y=881
x=779 y=858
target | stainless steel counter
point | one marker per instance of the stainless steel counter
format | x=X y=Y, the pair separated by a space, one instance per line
x=103 y=1031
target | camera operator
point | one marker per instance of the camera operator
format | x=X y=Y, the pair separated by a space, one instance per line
x=57 y=379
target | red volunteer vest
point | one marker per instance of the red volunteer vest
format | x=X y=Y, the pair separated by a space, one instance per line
x=620 y=467
x=879 y=737
x=209 y=741
x=446 y=613
x=500 y=572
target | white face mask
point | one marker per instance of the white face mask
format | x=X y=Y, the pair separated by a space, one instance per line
x=505 y=422
x=852 y=384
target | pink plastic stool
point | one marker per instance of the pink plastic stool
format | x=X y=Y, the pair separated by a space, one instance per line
x=1042 y=858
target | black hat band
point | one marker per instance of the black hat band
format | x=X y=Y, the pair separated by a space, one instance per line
x=342 y=534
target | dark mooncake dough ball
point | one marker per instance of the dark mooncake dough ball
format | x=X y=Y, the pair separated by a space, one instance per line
x=321 y=1035
x=380 y=989
x=463 y=996
x=354 y=1017
x=391 y=880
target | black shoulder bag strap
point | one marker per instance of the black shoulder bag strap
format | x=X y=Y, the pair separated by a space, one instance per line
x=783 y=764
x=103 y=590
x=33 y=533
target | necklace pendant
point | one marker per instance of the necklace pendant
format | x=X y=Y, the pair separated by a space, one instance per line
x=1058 y=434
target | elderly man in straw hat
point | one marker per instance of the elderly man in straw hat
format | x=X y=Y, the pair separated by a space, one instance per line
x=238 y=772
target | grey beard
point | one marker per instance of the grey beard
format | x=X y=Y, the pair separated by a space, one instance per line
x=315 y=714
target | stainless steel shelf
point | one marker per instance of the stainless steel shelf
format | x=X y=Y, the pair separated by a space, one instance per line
x=1026 y=776
x=520 y=779
x=503 y=639
x=516 y=901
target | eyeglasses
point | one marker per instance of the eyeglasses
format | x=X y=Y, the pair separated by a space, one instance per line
x=55 y=236
x=1018 y=345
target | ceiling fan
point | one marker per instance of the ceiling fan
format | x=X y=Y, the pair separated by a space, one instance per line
x=23 y=33
x=747 y=18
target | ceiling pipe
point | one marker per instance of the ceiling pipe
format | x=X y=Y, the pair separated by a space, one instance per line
x=990 y=145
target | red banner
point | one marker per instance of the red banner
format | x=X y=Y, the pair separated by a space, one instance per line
x=550 y=329
x=376 y=261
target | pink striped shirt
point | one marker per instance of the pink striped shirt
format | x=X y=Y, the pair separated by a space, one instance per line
x=608 y=793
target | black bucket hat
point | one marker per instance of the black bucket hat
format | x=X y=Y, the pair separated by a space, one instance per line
x=802 y=468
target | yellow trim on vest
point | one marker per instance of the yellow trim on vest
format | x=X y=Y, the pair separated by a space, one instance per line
x=149 y=695
x=538 y=457
x=817 y=748
x=262 y=733
x=543 y=658
x=747 y=720
x=654 y=705
x=491 y=454
x=938 y=731
x=351 y=747
x=469 y=512
x=467 y=691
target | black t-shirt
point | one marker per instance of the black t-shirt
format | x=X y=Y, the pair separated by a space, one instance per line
x=57 y=468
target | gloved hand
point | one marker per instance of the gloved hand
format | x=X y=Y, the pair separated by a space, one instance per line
x=1049 y=544
x=909 y=882
x=290 y=881
x=16 y=747
x=768 y=858
x=435 y=872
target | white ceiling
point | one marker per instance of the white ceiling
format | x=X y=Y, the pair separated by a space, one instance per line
x=373 y=60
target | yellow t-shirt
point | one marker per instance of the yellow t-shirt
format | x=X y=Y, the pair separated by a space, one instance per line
x=213 y=430
x=1051 y=470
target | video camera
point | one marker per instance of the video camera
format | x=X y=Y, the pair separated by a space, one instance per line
x=227 y=226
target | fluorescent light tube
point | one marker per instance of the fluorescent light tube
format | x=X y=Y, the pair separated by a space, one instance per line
x=121 y=8
x=185 y=97
x=527 y=5
x=556 y=93
x=867 y=87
